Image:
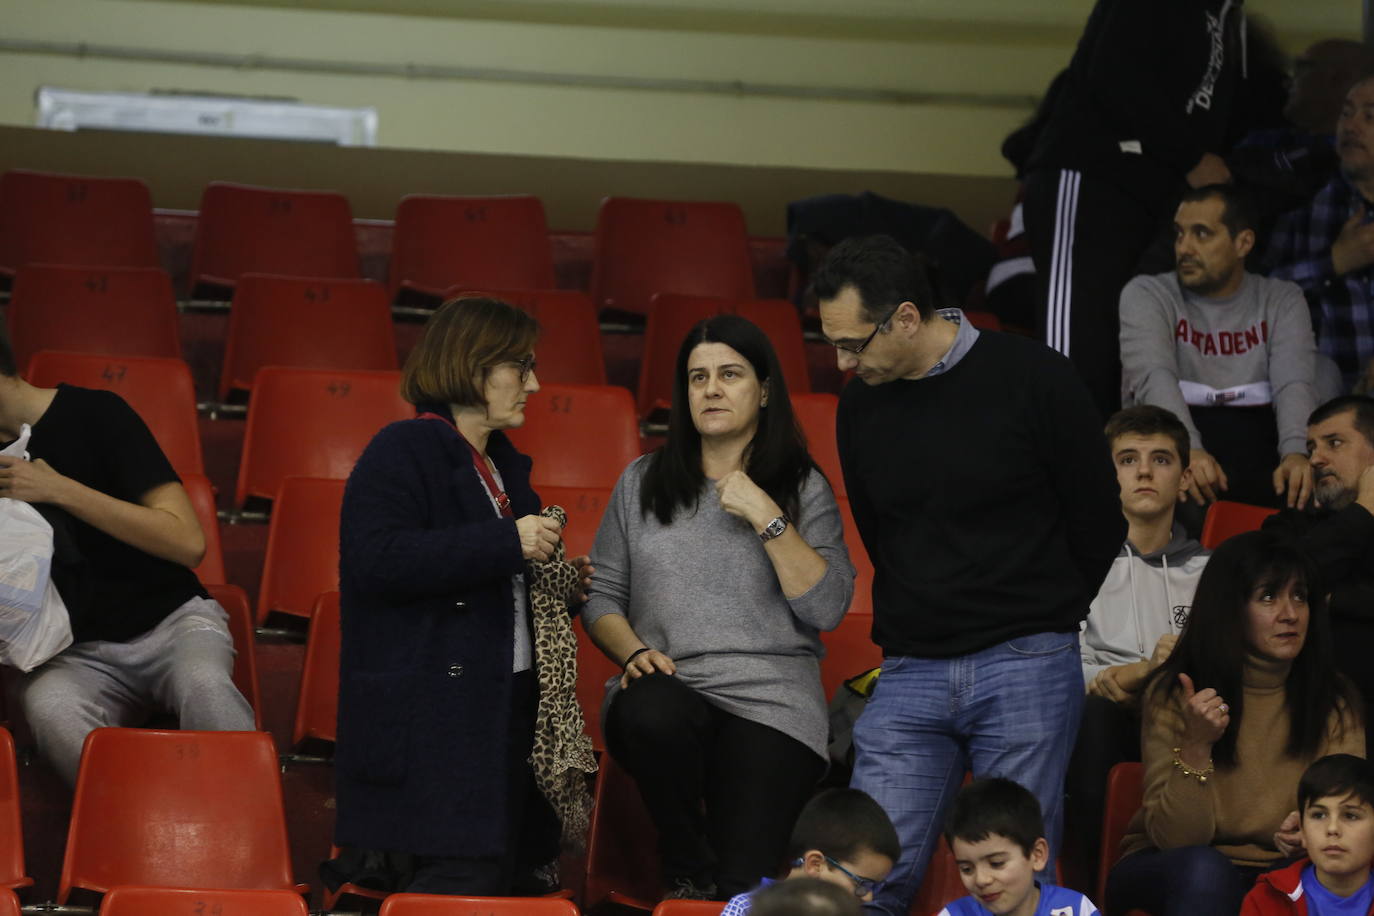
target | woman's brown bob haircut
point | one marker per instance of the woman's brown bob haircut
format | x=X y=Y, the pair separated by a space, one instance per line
x=463 y=339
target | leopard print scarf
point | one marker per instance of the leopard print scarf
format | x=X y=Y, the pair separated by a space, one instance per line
x=562 y=755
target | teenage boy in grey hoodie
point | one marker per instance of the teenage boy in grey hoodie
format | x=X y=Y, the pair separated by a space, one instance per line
x=1141 y=608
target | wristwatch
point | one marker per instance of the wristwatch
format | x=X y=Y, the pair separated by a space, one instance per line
x=774 y=528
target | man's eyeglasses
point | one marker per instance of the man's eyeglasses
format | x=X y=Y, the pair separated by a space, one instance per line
x=862 y=886
x=859 y=348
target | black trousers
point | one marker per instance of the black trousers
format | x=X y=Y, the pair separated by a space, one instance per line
x=1245 y=442
x=1108 y=734
x=1186 y=881
x=723 y=792
x=1087 y=238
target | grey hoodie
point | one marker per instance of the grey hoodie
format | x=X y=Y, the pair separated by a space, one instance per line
x=1144 y=597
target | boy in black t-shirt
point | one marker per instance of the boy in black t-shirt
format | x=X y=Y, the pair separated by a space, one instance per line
x=146 y=635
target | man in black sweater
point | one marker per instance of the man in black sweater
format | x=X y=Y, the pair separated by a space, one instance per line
x=1144 y=109
x=1338 y=532
x=983 y=490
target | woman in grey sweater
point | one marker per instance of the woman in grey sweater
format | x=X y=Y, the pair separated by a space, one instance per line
x=719 y=559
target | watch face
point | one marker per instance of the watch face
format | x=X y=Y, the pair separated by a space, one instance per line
x=776 y=527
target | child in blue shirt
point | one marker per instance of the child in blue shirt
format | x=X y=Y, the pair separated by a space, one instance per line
x=1336 y=809
x=842 y=836
x=997 y=834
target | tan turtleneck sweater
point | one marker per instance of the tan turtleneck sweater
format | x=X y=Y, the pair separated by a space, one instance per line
x=1238 y=809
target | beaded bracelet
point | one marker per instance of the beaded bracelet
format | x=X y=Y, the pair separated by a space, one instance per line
x=1199 y=775
x=633 y=655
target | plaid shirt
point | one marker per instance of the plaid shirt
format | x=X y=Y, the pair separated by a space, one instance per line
x=1342 y=307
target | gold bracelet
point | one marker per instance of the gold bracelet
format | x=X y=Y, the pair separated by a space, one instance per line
x=1199 y=775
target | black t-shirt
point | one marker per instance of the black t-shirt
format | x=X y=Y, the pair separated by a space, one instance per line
x=113 y=591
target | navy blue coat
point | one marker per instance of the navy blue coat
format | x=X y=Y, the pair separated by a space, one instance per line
x=427 y=621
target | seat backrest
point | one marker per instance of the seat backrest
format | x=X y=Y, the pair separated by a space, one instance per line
x=317 y=708
x=578 y=435
x=159 y=389
x=478 y=242
x=986 y=321
x=244 y=229
x=202 y=496
x=816 y=414
x=778 y=319
x=234 y=600
x=584 y=506
x=661 y=246
x=1125 y=795
x=9 y=903
x=849 y=650
x=312 y=423
x=312 y=324
x=1226 y=519
x=689 y=908
x=622 y=844
x=11 y=824
x=302 y=557
x=128 y=311
x=176 y=809
x=445 y=905
x=569 y=346
x=941 y=884
x=182 y=901
x=75 y=219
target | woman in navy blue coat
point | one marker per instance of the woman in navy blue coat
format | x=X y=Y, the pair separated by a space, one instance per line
x=437 y=692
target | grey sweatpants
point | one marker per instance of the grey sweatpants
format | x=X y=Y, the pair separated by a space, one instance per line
x=184 y=666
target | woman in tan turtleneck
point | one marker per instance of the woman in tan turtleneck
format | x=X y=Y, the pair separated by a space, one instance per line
x=1249 y=697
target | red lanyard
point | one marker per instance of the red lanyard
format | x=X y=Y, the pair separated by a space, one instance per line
x=480 y=463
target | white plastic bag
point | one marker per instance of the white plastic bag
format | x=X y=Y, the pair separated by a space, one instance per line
x=34 y=625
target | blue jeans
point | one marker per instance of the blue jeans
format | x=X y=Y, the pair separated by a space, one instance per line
x=1010 y=710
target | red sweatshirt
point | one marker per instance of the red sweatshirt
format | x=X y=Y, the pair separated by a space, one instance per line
x=1279 y=893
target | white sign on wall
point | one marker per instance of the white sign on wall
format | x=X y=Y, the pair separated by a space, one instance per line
x=64 y=109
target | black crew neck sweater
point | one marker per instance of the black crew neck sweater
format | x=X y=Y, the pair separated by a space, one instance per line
x=985 y=496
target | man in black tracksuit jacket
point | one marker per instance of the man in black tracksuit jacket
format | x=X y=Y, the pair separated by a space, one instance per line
x=1142 y=111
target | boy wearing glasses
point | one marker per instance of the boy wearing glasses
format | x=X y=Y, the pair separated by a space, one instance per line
x=842 y=837
x=998 y=838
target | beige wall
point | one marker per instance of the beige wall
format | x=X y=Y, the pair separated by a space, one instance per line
x=988 y=58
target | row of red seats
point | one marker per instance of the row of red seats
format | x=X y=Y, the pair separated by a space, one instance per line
x=346 y=324
x=642 y=246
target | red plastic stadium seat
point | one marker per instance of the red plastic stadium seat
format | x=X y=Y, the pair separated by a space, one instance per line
x=1125 y=795
x=941 y=884
x=9 y=903
x=863 y=566
x=127 y=311
x=849 y=650
x=1226 y=519
x=234 y=600
x=302 y=557
x=312 y=423
x=569 y=347
x=244 y=229
x=159 y=389
x=310 y=324
x=317 y=708
x=689 y=908
x=672 y=316
x=75 y=219
x=443 y=905
x=816 y=414
x=202 y=495
x=181 y=901
x=985 y=320
x=660 y=246
x=476 y=242
x=594 y=669
x=622 y=845
x=578 y=435
x=177 y=809
x=584 y=506
x=11 y=825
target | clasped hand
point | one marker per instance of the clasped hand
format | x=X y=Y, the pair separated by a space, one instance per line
x=742 y=498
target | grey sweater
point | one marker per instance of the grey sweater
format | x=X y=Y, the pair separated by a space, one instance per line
x=703 y=591
x=1262 y=333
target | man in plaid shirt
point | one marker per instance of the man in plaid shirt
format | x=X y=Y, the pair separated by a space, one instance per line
x=1328 y=248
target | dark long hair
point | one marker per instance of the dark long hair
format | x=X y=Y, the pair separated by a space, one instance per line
x=776 y=459
x=1213 y=646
